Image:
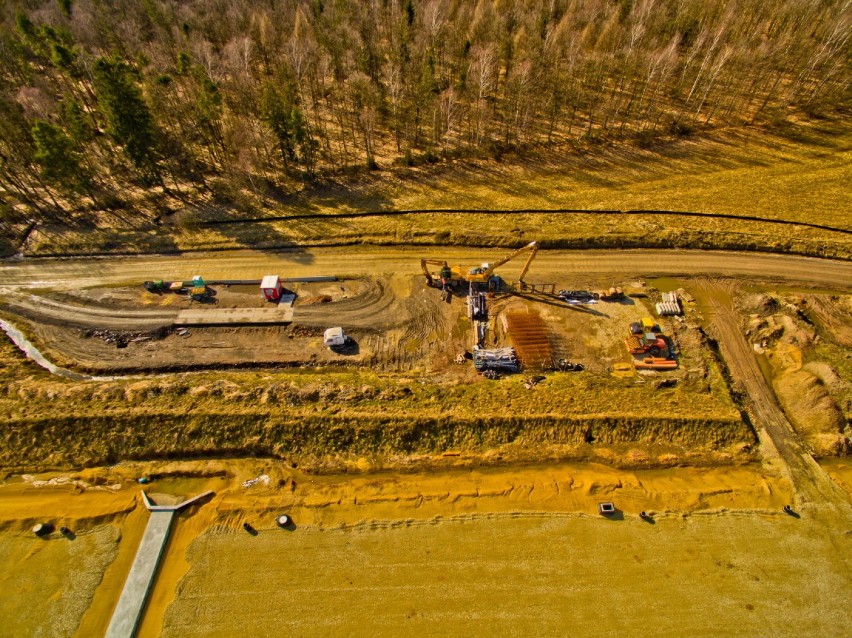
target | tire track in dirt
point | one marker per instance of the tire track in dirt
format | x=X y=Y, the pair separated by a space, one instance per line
x=410 y=345
x=52 y=311
x=812 y=484
x=831 y=319
x=374 y=308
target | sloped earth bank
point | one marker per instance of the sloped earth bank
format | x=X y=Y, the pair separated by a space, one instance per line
x=327 y=441
x=803 y=342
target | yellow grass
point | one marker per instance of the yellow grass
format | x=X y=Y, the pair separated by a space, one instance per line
x=538 y=575
x=800 y=176
x=49 y=584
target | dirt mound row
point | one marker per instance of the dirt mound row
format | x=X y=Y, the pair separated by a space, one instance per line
x=64 y=442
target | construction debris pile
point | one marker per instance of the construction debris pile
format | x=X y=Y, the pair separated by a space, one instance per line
x=499 y=359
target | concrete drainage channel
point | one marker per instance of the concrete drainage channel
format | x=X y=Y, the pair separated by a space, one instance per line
x=33 y=353
x=137 y=587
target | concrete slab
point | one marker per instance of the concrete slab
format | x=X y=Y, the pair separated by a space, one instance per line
x=235 y=316
x=131 y=604
x=137 y=587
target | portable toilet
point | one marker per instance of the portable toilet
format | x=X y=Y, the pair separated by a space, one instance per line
x=271 y=288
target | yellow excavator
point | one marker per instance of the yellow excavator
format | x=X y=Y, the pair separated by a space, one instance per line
x=451 y=275
x=484 y=272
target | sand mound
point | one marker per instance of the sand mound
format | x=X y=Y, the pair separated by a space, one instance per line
x=815 y=414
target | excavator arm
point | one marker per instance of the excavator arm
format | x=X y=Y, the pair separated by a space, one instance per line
x=425 y=263
x=527 y=265
x=532 y=246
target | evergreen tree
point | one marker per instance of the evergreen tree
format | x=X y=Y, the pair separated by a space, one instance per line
x=128 y=118
x=276 y=110
x=55 y=155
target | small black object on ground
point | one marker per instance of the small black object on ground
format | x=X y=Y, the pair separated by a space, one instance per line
x=251 y=530
x=788 y=509
x=67 y=533
x=645 y=516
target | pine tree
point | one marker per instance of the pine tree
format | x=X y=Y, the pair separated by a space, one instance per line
x=129 y=120
x=55 y=155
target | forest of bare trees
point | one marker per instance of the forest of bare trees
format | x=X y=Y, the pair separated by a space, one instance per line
x=101 y=97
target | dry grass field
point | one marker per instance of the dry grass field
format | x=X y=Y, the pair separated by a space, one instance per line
x=521 y=575
x=49 y=584
x=800 y=176
x=102 y=505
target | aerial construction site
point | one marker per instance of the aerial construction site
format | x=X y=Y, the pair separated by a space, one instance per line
x=425 y=318
x=473 y=366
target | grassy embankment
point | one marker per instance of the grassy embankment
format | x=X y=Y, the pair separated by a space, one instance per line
x=795 y=174
x=333 y=419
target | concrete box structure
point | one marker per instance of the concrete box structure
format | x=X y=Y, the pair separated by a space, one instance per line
x=271 y=288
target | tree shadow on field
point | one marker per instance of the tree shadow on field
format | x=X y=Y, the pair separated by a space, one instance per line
x=240 y=231
x=272 y=220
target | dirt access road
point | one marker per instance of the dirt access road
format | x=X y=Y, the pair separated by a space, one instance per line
x=549 y=266
x=811 y=482
x=569 y=268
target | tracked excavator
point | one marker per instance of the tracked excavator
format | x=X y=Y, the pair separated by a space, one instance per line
x=483 y=273
x=445 y=276
x=451 y=275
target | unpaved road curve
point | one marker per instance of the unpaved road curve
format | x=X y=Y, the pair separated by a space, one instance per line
x=812 y=483
x=550 y=265
x=52 y=311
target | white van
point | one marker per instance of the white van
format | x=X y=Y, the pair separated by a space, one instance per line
x=335 y=337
